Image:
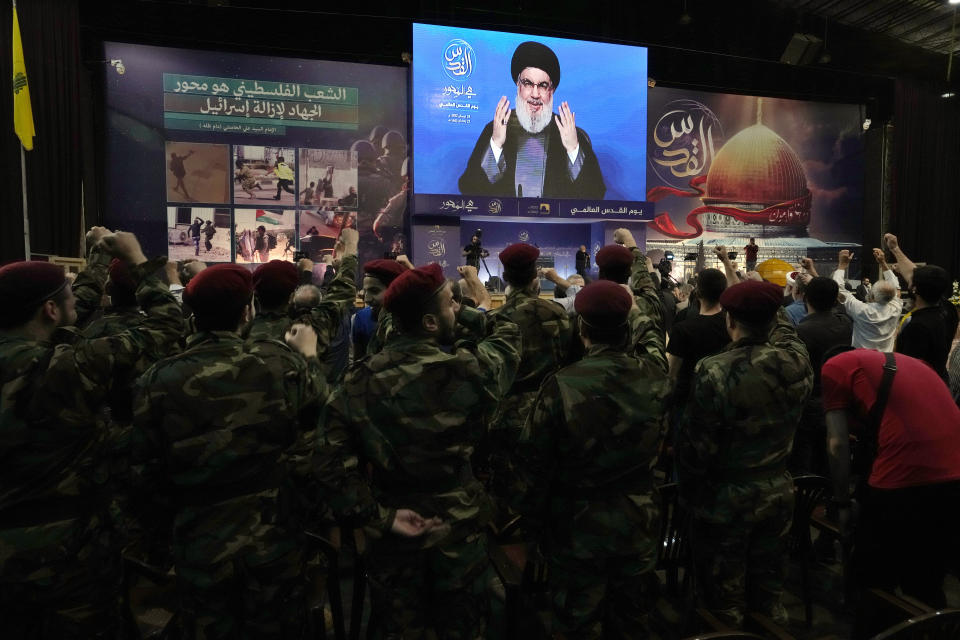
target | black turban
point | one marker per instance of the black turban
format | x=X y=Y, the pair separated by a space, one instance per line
x=534 y=54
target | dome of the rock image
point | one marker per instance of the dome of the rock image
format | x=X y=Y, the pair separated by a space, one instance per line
x=755 y=169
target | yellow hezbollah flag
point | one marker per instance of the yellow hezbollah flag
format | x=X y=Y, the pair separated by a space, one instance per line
x=22 y=111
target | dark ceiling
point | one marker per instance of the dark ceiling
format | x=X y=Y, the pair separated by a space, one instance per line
x=923 y=23
x=733 y=46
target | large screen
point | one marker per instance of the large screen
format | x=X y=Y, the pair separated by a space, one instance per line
x=504 y=121
x=233 y=157
x=725 y=168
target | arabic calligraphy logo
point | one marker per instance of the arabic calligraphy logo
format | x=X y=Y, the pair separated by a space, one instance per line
x=524 y=236
x=437 y=248
x=495 y=206
x=458 y=59
x=19 y=82
x=685 y=141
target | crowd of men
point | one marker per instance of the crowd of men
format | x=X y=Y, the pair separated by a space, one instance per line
x=201 y=420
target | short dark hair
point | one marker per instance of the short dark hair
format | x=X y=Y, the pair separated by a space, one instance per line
x=711 y=283
x=616 y=337
x=620 y=275
x=756 y=329
x=931 y=282
x=409 y=320
x=822 y=293
x=221 y=319
x=14 y=317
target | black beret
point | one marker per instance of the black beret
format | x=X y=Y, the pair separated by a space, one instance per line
x=534 y=54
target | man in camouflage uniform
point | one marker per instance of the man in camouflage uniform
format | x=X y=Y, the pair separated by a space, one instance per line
x=411 y=414
x=547 y=336
x=583 y=467
x=616 y=262
x=377 y=276
x=733 y=443
x=216 y=448
x=59 y=575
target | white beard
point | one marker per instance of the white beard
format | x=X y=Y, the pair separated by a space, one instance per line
x=534 y=123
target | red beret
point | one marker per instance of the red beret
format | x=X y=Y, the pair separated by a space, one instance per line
x=384 y=270
x=122 y=283
x=222 y=289
x=614 y=256
x=519 y=256
x=752 y=301
x=275 y=281
x=24 y=285
x=412 y=289
x=603 y=304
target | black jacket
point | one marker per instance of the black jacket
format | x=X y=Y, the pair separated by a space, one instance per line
x=556 y=179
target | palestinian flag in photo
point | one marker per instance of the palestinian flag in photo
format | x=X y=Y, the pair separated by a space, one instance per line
x=268 y=217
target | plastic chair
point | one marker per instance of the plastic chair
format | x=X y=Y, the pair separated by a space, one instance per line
x=939 y=625
x=808 y=492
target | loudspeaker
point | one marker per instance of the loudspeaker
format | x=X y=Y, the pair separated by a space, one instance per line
x=802 y=49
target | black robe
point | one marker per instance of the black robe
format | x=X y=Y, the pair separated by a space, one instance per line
x=556 y=177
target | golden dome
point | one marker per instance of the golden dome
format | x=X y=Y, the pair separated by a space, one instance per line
x=756 y=168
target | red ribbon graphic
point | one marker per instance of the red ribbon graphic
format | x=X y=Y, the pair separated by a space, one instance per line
x=792 y=212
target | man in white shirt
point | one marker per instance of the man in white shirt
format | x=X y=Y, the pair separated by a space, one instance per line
x=874 y=323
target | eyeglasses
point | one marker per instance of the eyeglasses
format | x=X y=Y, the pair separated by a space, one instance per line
x=528 y=86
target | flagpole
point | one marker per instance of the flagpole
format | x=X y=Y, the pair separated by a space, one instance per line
x=26 y=218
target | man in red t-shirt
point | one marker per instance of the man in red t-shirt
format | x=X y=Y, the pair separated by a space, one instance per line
x=908 y=522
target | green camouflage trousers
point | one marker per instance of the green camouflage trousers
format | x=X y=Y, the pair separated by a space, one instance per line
x=439 y=592
x=241 y=598
x=601 y=598
x=740 y=560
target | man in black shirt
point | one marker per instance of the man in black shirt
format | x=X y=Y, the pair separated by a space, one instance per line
x=927 y=332
x=698 y=336
x=583 y=261
x=823 y=328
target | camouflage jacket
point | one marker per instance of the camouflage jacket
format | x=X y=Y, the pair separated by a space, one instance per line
x=547 y=337
x=211 y=429
x=53 y=441
x=340 y=294
x=647 y=313
x=88 y=287
x=268 y=325
x=582 y=469
x=413 y=413
x=381 y=334
x=737 y=430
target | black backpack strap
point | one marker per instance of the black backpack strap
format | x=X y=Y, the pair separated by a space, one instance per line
x=875 y=417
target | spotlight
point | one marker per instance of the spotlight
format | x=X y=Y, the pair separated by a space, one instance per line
x=866 y=124
x=118 y=65
x=954 y=1
x=949 y=94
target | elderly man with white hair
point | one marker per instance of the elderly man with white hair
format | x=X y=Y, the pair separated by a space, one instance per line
x=874 y=323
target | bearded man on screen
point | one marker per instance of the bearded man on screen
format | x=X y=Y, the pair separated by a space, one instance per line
x=530 y=151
